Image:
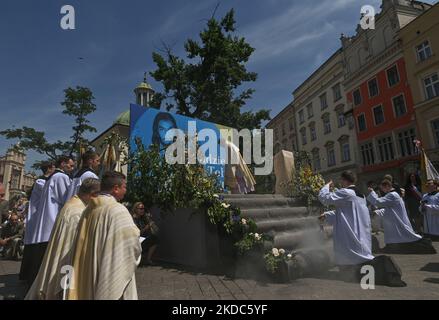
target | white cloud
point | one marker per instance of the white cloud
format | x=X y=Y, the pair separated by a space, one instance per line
x=299 y=24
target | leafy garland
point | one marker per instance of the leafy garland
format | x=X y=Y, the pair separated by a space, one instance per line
x=275 y=257
x=306 y=183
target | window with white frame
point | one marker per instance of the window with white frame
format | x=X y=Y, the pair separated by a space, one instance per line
x=310 y=110
x=367 y=154
x=399 y=106
x=361 y=123
x=336 y=92
x=378 y=115
x=351 y=123
x=345 y=152
x=303 y=133
x=291 y=123
x=431 y=85
x=373 y=87
x=357 y=97
x=326 y=124
x=385 y=149
x=301 y=117
x=330 y=152
x=341 y=119
x=435 y=128
x=423 y=51
x=323 y=101
x=392 y=76
x=313 y=133
x=316 y=159
x=405 y=141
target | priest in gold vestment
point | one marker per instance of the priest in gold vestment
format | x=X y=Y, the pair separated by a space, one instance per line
x=47 y=285
x=107 y=249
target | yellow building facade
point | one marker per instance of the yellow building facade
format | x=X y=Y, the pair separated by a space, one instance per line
x=420 y=40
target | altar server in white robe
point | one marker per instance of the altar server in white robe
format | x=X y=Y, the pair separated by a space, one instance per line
x=350 y=221
x=399 y=235
x=37 y=190
x=107 y=248
x=430 y=209
x=48 y=169
x=52 y=200
x=48 y=284
x=90 y=165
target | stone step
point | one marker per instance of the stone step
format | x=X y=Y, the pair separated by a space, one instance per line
x=289 y=224
x=259 y=214
x=300 y=239
x=253 y=203
x=252 y=196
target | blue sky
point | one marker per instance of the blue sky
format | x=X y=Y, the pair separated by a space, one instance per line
x=116 y=38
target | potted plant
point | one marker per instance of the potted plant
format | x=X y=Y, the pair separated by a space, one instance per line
x=278 y=263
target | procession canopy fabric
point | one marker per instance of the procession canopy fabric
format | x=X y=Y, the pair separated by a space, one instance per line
x=47 y=285
x=107 y=252
x=82 y=175
x=397 y=226
x=431 y=213
x=283 y=170
x=237 y=175
x=351 y=225
x=53 y=198
x=34 y=201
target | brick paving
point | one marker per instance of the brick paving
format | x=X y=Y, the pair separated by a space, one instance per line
x=421 y=272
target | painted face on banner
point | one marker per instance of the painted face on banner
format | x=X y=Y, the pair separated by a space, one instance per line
x=165 y=126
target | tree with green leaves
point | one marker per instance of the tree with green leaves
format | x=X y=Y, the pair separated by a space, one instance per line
x=205 y=87
x=78 y=103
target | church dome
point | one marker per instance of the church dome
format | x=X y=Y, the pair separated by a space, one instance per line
x=144 y=85
x=123 y=118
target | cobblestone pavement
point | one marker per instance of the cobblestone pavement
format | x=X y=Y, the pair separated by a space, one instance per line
x=421 y=272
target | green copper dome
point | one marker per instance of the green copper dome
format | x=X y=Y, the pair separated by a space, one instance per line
x=123 y=118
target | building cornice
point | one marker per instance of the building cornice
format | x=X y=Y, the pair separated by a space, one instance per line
x=352 y=80
x=289 y=108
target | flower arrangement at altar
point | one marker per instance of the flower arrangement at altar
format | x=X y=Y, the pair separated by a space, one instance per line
x=307 y=183
x=252 y=240
x=275 y=257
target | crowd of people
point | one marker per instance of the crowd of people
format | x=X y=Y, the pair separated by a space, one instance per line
x=405 y=232
x=12 y=215
x=76 y=239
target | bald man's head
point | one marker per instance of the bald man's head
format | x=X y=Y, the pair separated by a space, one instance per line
x=2 y=192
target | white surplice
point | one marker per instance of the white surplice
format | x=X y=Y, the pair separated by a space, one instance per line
x=351 y=225
x=77 y=182
x=397 y=226
x=52 y=200
x=431 y=213
x=34 y=201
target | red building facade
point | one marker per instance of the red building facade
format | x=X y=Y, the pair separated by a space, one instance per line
x=384 y=115
x=378 y=94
